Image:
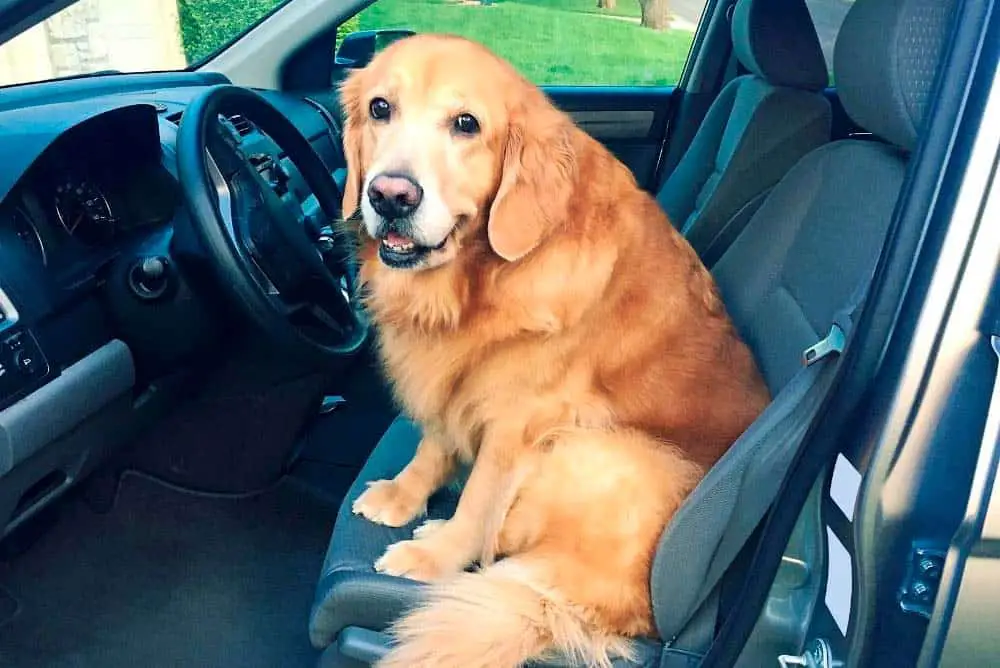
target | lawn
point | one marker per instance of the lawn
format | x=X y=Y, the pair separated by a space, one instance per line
x=549 y=41
x=629 y=8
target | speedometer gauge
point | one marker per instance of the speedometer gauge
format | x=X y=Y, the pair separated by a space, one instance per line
x=84 y=212
x=27 y=234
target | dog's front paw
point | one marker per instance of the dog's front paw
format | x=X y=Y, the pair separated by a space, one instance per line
x=415 y=559
x=384 y=502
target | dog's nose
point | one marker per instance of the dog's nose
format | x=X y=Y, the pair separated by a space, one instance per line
x=394 y=195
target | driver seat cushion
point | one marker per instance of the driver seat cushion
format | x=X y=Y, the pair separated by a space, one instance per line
x=352 y=592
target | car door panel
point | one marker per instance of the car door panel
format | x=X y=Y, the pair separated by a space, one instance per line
x=630 y=121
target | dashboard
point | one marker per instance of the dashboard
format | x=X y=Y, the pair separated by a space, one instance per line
x=90 y=205
x=94 y=187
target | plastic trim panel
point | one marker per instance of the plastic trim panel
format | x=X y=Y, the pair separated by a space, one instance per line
x=59 y=406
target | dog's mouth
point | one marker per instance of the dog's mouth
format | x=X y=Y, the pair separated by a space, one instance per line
x=400 y=251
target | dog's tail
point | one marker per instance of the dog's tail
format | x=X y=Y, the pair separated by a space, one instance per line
x=500 y=617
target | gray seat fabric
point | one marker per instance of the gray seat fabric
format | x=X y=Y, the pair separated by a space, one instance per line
x=350 y=592
x=759 y=126
x=803 y=233
x=803 y=253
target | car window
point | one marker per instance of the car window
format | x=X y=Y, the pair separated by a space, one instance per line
x=115 y=35
x=827 y=16
x=206 y=26
x=563 y=42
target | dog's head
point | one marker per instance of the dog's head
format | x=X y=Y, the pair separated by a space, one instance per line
x=445 y=142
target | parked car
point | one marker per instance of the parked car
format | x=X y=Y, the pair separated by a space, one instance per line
x=189 y=393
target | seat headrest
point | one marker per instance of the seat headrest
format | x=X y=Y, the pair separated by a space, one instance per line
x=776 y=40
x=885 y=62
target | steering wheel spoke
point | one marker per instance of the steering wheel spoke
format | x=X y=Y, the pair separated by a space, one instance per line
x=322 y=314
x=271 y=251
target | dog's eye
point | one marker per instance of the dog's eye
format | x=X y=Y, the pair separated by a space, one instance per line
x=466 y=124
x=379 y=109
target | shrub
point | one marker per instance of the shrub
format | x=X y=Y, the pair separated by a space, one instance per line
x=207 y=25
x=352 y=24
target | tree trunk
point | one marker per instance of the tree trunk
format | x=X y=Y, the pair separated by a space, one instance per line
x=607 y=4
x=655 y=14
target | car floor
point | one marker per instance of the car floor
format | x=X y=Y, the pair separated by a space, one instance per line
x=169 y=578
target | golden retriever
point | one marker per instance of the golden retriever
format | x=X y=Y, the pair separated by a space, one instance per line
x=541 y=320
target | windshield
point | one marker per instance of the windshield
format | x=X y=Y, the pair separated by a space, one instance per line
x=127 y=36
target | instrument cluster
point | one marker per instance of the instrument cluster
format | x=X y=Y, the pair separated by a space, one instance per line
x=82 y=200
x=84 y=211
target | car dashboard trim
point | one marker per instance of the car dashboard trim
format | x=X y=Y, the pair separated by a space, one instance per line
x=59 y=406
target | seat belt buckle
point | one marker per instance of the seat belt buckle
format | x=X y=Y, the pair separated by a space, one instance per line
x=833 y=344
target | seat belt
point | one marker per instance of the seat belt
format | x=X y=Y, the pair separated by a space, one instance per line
x=725 y=509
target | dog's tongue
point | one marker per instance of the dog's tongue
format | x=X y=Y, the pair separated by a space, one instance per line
x=397 y=239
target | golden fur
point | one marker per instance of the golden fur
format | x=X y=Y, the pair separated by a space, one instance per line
x=565 y=341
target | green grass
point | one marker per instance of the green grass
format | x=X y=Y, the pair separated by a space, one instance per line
x=628 y=8
x=549 y=41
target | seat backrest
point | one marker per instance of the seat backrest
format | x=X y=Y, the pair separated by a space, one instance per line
x=759 y=126
x=815 y=239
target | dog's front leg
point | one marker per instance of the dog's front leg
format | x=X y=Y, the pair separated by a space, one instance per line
x=404 y=498
x=456 y=543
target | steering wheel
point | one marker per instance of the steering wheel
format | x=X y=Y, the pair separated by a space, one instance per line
x=286 y=270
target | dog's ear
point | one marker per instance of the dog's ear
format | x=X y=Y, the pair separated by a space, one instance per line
x=537 y=182
x=350 y=101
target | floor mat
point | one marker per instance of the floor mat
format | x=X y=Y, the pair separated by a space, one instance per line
x=170 y=579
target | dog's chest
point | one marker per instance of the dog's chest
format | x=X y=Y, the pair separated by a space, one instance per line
x=463 y=390
x=437 y=378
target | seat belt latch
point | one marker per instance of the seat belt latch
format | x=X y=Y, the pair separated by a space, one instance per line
x=833 y=344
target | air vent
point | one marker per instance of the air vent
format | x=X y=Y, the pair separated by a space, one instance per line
x=241 y=124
